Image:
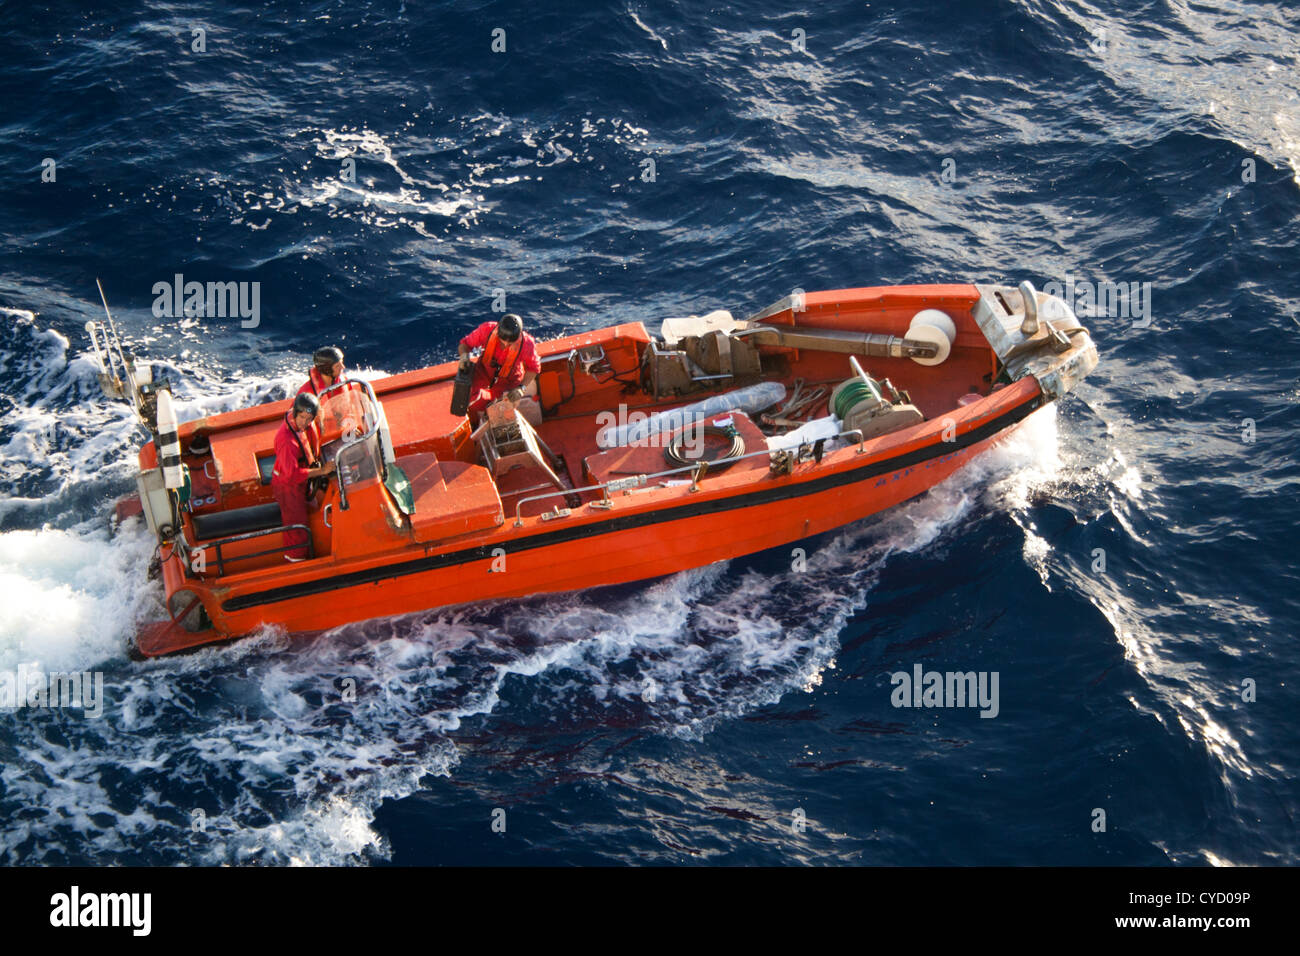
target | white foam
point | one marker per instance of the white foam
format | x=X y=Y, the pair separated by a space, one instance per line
x=71 y=596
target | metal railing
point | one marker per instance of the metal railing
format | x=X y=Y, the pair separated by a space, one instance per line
x=370 y=393
x=375 y=423
x=699 y=470
x=223 y=561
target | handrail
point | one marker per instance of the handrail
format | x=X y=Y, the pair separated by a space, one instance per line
x=221 y=561
x=338 y=478
x=620 y=483
x=339 y=386
x=375 y=420
x=376 y=426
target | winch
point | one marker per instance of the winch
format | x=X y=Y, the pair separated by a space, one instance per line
x=862 y=405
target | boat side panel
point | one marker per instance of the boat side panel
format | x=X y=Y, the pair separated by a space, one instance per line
x=613 y=557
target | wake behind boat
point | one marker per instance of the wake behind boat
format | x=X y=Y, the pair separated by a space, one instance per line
x=630 y=456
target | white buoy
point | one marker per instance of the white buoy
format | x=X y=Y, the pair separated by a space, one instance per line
x=935 y=327
x=169 y=444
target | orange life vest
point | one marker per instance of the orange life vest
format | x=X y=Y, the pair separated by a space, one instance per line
x=316 y=381
x=308 y=442
x=488 y=358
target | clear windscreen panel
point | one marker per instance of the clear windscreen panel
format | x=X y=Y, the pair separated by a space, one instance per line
x=346 y=414
x=359 y=462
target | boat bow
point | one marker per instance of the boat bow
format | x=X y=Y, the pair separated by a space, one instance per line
x=1033 y=333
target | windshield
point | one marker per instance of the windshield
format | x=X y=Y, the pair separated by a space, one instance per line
x=359 y=461
x=351 y=416
x=347 y=411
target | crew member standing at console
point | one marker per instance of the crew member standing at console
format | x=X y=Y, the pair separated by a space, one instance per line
x=326 y=370
x=297 y=460
x=508 y=363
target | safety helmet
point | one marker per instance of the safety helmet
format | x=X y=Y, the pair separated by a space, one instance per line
x=510 y=327
x=325 y=357
x=306 y=402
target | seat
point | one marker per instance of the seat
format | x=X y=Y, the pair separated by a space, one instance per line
x=225 y=524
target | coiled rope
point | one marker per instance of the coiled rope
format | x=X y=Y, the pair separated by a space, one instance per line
x=802 y=399
x=854 y=391
x=675 y=452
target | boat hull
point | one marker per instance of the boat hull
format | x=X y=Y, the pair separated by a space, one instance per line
x=474 y=529
x=572 y=554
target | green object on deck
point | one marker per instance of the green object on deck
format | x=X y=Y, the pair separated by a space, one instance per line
x=399 y=486
x=854 y=391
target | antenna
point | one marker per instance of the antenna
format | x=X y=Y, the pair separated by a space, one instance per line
x=104 y=299
x=112 y=356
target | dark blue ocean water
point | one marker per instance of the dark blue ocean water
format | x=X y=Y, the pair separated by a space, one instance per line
x=1124 y=562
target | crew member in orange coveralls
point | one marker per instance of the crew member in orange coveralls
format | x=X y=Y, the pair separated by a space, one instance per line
x=508 y=363
x=297 y=459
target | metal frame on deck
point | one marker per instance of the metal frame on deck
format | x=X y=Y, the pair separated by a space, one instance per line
x=222 y=561
x=697 y=471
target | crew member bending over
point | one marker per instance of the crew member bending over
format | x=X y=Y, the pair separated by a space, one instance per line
x=326 y=370
x=297 y=460
x=508 y=363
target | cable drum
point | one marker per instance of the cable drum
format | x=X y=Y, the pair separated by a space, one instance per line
x=720 y=442
x=851 y=393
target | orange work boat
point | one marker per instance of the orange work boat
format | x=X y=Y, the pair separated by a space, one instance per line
x=636 y=455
